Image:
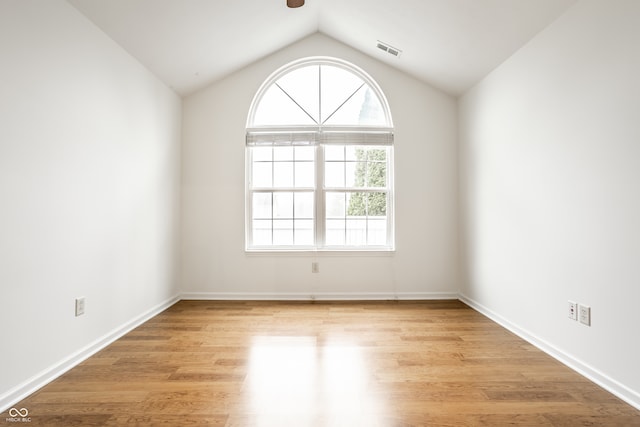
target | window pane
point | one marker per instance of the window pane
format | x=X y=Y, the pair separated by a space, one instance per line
x=356 y=232
x=357 y=204
x=354 y=174
x=335 y=230
x=262 y=174
x=283 y=153
x=364 y=108
x=334 y=174
x=276 y=108
x=304 y=206
x=261 y=205
x=303 y=232
x=349 y=112
x=353 y=152
x=379 y=154
x=261 y=154
x=283 y=232
x=283 y=174
x=283 y=205
x=305 y=153
x=302 y=85
x=262 y=232
x=377 y=231
x=305 y=174
x=333 y=152
x=371 y=112
x=376 y=174
x=334 y=205
x=337 y=85
x=377 y=204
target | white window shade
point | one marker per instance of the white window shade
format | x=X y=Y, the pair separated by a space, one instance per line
x=281 y=138
x=356 y=138
x=382 y=137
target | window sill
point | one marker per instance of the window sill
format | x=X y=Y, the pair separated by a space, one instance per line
x=321 y=252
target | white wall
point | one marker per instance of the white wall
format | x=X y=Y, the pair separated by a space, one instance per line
x=550 y=174
x=89 y=184
x=213 y=257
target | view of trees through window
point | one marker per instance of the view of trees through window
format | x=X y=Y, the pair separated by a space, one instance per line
x=370 y=172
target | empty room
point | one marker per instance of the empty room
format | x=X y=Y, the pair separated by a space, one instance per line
x=320 y=212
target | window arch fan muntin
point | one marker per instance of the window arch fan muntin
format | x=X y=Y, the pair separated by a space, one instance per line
x=323 y=116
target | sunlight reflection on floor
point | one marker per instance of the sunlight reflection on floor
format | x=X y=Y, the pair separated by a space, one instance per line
x=293 y=380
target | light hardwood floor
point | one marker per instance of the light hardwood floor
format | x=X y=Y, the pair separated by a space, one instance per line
x=436 y=363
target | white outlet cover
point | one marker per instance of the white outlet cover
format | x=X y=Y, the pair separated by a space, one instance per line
x=573 y=310
x=585 y=314
x=79 y=306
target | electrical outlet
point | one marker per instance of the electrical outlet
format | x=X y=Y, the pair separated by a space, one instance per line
x=79 y=306
x=573 y=310
x=585 y=314
x=315 y=267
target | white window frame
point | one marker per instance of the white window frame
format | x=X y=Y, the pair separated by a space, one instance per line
x=320 y=136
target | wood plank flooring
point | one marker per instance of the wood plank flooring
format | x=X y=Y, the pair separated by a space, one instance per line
x=388 y=364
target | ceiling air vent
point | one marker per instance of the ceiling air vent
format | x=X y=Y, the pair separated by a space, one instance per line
x=388 y=48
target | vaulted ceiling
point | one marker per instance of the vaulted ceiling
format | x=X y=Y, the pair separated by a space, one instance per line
x=450 y=44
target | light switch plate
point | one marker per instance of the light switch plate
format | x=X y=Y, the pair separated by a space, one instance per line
x=79 y=306
x=585 y=314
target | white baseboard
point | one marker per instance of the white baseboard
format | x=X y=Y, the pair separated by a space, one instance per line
x=16 y=394
x=320 y=296
x=604 y=381
x=25 y=389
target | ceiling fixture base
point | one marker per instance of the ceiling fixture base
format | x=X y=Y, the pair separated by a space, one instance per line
x=295 y=3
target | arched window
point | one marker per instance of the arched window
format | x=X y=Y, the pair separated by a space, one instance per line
x=319 y=160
